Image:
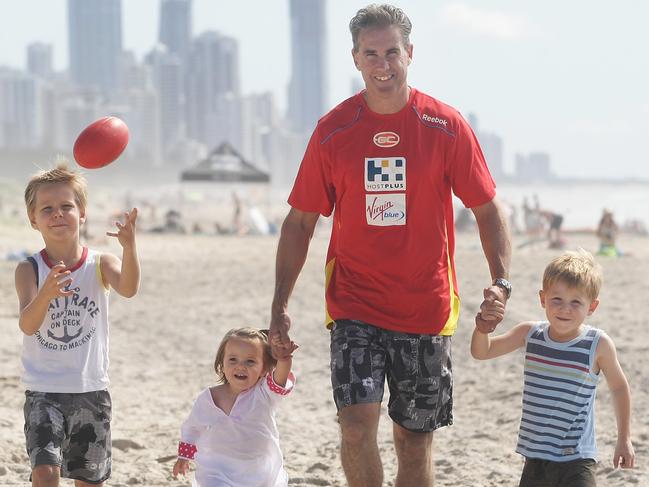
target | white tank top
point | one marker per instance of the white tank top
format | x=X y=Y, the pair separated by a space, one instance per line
x=69 y=352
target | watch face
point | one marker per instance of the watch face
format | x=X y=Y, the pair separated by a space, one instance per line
x=505 y=284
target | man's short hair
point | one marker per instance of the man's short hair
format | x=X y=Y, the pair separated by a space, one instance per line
x=575 y=269
x=378 y=16
x=60 y=174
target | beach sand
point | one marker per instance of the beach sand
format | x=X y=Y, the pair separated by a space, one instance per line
x=195 y=287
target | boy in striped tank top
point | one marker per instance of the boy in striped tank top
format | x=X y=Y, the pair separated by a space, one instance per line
x=63 y=297
x=563 y=359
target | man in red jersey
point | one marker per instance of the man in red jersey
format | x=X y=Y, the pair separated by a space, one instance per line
x=386 y=163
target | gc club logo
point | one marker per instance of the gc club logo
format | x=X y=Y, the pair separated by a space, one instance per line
x=386 y=139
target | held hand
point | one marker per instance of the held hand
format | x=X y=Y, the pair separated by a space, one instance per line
x=285 y=350
x=281 y=345
x=492 y=309
x=56 y=282
x=624 y=456
x=126 y=232
x=181 y=467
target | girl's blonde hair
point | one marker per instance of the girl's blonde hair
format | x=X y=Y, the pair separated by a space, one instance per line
x=243 y=334
x=60 y=174
x=576 y=269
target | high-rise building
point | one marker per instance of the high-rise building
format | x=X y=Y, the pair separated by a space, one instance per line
x=39 y=59
x=95 y=43
x=21 y=123
x=169 y=83
x=533 y=167
x=144 y=125
x=258 y=119
x=492 y=148
x=76 y=112
x=308 y=86
x=213 y=88
x=176 y=27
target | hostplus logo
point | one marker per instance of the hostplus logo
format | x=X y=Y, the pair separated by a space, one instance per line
x=385 y=174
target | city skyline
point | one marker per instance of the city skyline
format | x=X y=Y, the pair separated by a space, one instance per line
x=540 y=76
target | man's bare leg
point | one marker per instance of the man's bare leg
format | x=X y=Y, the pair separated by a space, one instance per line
x=415 y=455
x=46 y=476
x=359 y=451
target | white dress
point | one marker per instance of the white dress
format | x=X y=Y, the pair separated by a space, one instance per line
x=240 y=449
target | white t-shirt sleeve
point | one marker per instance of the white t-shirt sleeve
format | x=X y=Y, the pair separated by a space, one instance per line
x=195 y=424
x=274 y=391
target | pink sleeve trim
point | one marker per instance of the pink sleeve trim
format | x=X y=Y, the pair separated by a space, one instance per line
x=186 y=450
x=276 y=388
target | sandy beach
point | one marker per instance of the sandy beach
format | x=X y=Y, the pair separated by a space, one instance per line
x=195 y=287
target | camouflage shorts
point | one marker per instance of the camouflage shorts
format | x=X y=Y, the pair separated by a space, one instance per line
x=418 y=370
x=71 y=431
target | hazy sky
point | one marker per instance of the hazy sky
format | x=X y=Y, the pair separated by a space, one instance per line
x=569 y=77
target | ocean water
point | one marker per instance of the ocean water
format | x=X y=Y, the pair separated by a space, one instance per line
x=581 y=204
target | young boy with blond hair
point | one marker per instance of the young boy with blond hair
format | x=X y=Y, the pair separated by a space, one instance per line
x=563 y=360
x=63 y=297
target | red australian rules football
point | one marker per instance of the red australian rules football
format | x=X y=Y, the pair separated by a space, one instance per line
x=100 y=143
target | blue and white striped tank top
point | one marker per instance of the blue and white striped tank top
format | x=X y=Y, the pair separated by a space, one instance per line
x=558 y=420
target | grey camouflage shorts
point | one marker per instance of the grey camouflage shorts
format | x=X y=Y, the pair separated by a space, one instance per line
x=418 y=370
x=71 y=431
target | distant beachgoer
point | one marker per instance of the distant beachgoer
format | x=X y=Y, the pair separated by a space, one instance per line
x=607 y=231
x=532 y=218
x=173 y=223
x=231 y=432
x=555 y=220
x=237 y=216
x=512 y=214
x=563 y=361
x=554 y=231
x=635 y=226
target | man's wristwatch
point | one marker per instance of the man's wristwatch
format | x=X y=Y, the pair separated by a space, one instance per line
x=504 y=284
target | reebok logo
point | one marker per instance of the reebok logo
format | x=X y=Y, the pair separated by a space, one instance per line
x=428 y=118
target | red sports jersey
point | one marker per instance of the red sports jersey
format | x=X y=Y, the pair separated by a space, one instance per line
x=389 y=179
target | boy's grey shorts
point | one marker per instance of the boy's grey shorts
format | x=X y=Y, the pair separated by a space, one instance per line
x=71 y=431
x=418 y=370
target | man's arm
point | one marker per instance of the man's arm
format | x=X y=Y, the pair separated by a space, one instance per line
x=494 y=235
x=496 y=245
x=292 y=250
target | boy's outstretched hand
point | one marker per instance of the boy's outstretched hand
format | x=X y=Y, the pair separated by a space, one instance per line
x=624 y=456
x=126 y=232
x=181 y=467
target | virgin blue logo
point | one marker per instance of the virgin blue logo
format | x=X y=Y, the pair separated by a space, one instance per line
x=385 y=209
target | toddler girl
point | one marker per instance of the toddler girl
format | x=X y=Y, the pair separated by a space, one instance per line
x=231 y=432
